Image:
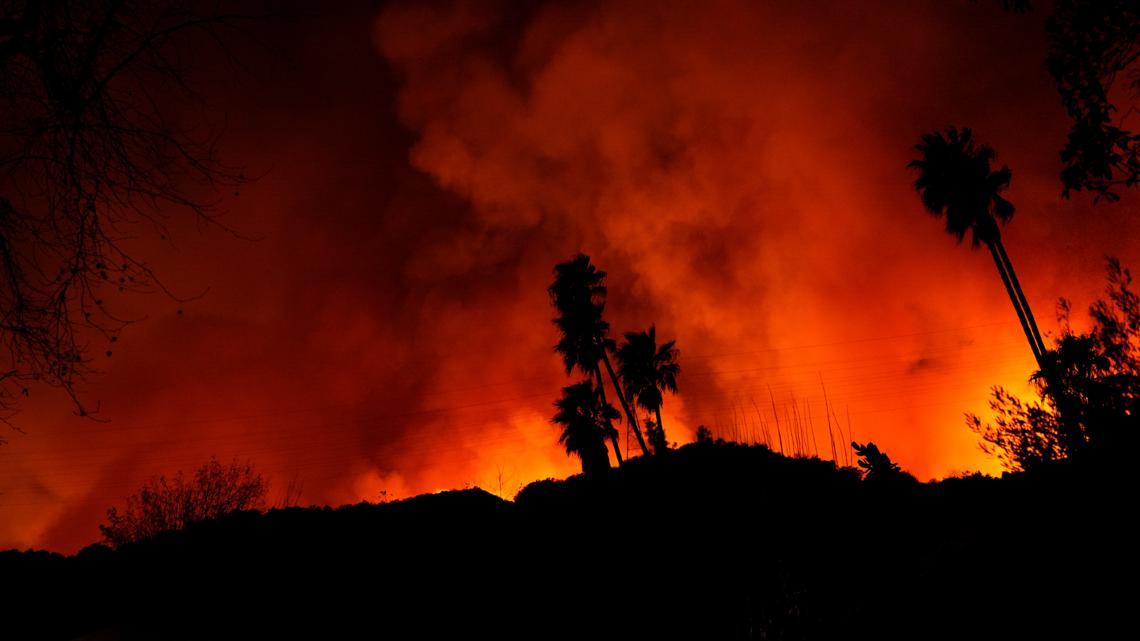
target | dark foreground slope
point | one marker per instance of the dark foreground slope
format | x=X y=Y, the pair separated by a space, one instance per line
x=714 y=541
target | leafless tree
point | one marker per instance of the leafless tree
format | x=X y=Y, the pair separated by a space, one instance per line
x=98 y=145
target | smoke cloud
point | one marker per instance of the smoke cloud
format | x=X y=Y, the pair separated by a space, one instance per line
x=738 y=168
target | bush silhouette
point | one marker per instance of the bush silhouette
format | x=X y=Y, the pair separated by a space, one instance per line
x=875 y=463
x=1088 y=412
x=173 y=504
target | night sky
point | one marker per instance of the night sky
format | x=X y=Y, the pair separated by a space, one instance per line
x=380 y=320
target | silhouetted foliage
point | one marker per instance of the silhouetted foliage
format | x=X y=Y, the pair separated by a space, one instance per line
x=585 y=422
x=1091 y=408
x=163 y=505
x=579 y=294
x=955 y=180
x=1091 y=42
x=752 y=544
x=94 y=146
x=875 y=463
x=704 y=434
x=647 y=371
x=656 y=435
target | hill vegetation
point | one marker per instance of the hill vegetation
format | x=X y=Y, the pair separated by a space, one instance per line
x=713 y=540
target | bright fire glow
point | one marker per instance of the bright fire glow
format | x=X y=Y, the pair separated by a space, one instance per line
x=737 y=167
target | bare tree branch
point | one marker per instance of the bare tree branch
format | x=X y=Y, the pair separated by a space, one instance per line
x=92 y=147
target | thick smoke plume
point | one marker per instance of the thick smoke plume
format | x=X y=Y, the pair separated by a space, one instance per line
x=739 y=169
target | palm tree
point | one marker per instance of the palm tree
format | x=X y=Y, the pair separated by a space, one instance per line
x=955 y=180
x=579 y=294
x=585 y=422
x=647 y=372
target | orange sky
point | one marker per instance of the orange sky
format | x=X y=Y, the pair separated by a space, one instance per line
x=737 y=167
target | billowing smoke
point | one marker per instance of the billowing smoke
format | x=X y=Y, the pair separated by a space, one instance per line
x=739 y=169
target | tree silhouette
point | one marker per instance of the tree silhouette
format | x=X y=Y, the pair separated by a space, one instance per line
x=1090 y=43
x=579 y=294
x=647 y=371
x=955 y=180
x=96 y=146
x=173 y=504
x=1089 y=407
x=586 y=422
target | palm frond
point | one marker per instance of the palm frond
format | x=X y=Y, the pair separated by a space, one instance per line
x=955 y=180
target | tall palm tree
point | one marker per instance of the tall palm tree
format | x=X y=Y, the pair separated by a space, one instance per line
x=585 y=422
x=647 y=371
x=579 y=294
x=955 y=179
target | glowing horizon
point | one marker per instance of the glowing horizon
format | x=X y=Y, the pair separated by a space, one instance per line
x=738 y=170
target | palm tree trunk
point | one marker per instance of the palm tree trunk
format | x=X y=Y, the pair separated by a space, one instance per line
x=664 y=442
x=1061 y=400
x=1013 y=298
x=613 y=432
x=1021 y=297
x=624 y=404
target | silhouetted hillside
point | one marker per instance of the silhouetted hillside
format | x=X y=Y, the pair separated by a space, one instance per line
x=711 y=541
